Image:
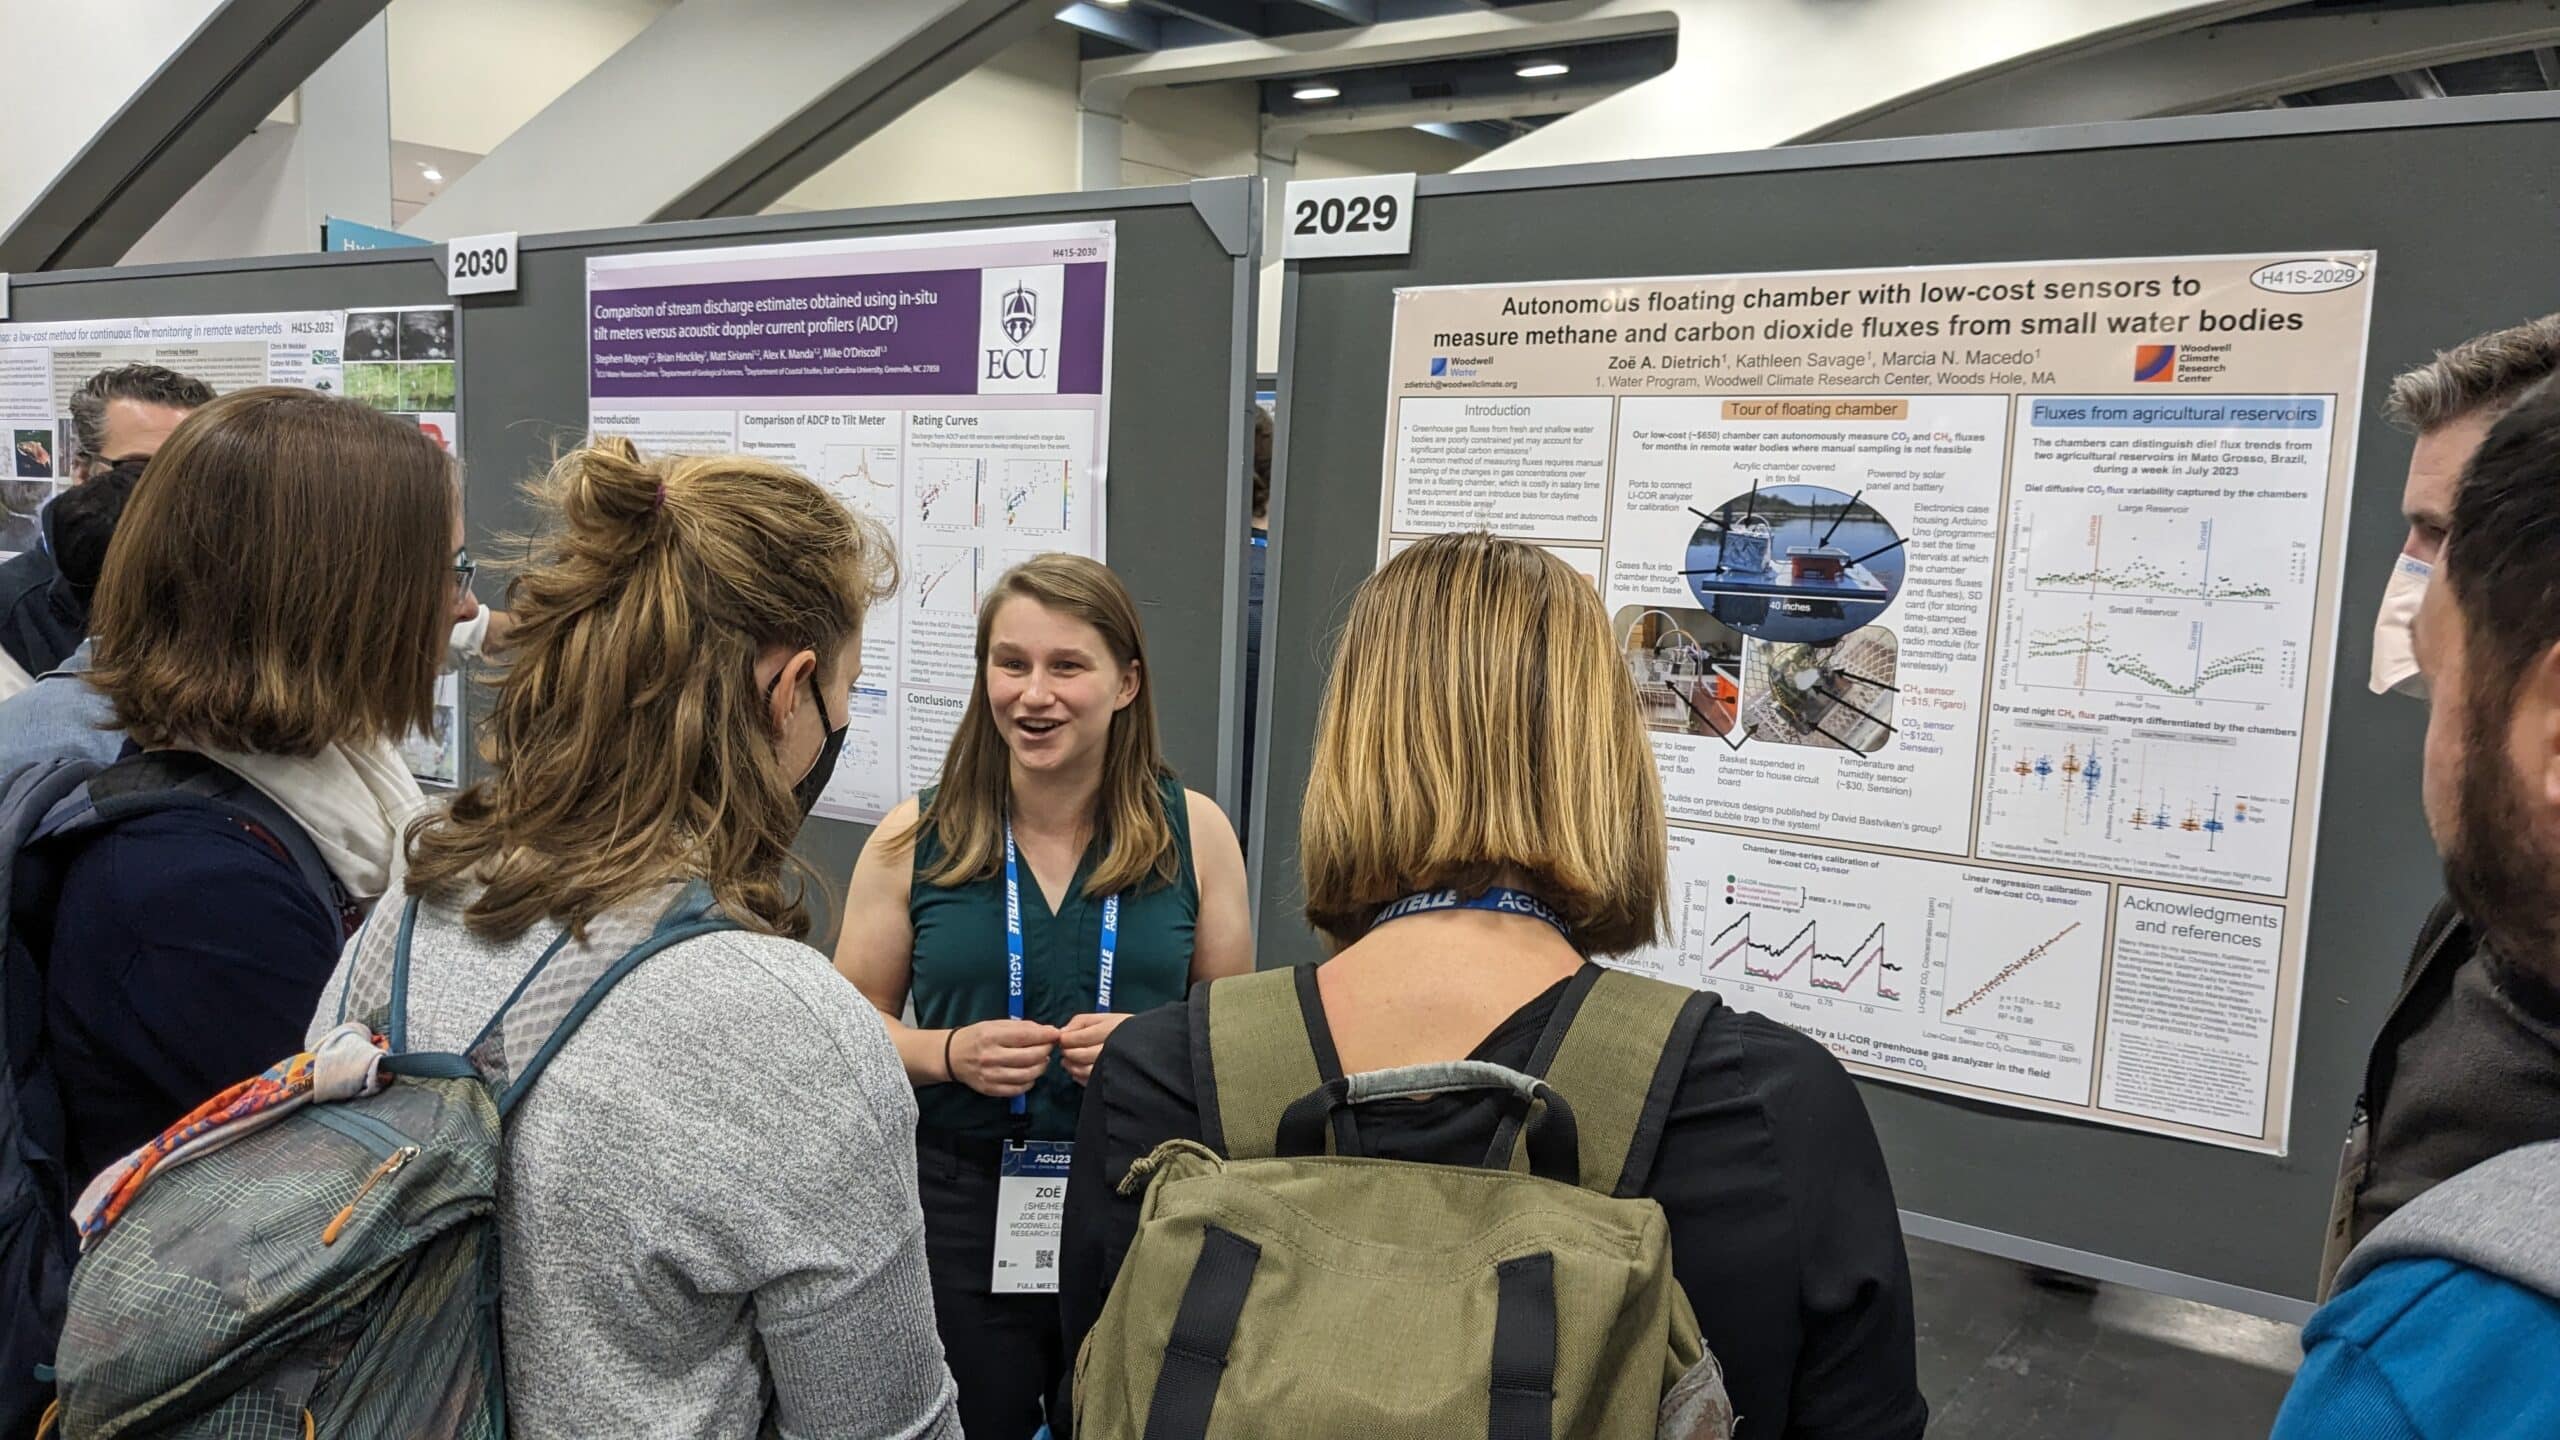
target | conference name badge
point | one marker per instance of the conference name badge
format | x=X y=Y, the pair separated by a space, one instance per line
x=1031 y=1212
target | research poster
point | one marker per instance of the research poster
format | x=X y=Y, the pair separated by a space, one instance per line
x=401 y=360
x=954 y=387
x=1983 y=619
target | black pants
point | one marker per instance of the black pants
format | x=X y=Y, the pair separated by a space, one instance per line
x=1007 y=1352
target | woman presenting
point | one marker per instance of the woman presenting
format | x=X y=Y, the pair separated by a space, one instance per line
x=1058 y=880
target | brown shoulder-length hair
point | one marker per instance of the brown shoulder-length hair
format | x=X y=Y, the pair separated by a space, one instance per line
x=968 y=812
x=630 y=742
x=1479 y=720
x=280 y=580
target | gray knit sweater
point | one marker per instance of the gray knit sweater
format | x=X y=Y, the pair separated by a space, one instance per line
x=709 y=1207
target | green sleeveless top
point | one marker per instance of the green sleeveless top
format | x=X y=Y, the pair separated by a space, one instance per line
x=960 y=967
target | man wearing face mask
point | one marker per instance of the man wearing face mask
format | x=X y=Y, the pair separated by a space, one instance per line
x=118 y=418
x=2462 y=1068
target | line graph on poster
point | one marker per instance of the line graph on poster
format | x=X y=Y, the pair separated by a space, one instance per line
x=2156 y=604
x=1765 y=935
x=2160 y=655
x=864 y=477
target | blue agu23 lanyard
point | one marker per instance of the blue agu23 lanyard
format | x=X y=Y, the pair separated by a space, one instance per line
x=1013 y=946
x=1501 y=900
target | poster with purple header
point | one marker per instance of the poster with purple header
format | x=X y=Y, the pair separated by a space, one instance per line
x=955 y=387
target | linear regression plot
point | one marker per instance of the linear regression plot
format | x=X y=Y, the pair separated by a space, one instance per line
x=2010 y=971
x=2022 y=959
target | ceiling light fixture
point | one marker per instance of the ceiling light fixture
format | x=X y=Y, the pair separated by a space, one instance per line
x=1317 y=90
x=1542 y=69
x=434 y=175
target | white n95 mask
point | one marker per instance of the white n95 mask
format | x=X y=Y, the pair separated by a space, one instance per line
x=2395 y=642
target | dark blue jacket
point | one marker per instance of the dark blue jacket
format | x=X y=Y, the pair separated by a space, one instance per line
x=187 y=954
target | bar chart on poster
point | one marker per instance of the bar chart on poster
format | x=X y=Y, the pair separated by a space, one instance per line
x=952 y=388
x=1979 y=615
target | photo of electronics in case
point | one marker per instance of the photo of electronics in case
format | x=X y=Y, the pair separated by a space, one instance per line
x=1794 y=562
x=1687 y=669
x=1835 y=697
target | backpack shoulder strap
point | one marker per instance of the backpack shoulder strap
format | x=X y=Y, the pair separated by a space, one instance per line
x=1251 y=1055
x=553 y=999
x=691 y=917
x=1616 y=1050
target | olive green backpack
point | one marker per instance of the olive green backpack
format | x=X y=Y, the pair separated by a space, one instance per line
x=1281 y=1285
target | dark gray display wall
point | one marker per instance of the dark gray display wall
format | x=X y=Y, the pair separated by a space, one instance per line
x=2458 y=197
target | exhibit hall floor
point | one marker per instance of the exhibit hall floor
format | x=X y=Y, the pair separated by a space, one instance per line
x=2009 y=1353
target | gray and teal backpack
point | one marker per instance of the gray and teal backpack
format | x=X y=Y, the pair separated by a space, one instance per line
x=335 y=1273
x=1283 y=1285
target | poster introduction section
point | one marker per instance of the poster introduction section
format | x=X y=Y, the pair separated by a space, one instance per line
x=1983 y=621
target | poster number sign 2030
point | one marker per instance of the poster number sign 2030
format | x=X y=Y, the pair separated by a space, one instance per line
x=1982 y=617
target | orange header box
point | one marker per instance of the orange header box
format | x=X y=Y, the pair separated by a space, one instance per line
x=1817 y=409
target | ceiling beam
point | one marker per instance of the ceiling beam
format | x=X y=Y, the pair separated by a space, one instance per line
x=1241 y=19
x=1281 y=135
x=1118 y=25
x=1349 y=12
x=2225 y=67
x=239 y=61
x=1108 y=83
x=2418 y=84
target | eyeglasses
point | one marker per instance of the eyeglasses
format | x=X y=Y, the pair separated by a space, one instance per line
x=464 y=567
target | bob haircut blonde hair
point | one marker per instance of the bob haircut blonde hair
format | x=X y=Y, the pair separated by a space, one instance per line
x=280 y=580
x=1479 y=721
x=968 y=813
x=631 y=742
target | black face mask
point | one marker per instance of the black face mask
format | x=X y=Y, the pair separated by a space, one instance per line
x=823 y=768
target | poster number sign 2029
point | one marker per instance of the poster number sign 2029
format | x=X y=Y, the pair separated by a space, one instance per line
x=1983 y=620
x=955 y=388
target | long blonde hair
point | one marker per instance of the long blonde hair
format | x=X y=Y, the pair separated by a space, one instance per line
x=1479 y=720
x=967 y=816
x=631 y=741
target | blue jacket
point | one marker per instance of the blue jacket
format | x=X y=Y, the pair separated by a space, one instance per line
x=58 y=717
x=2445 y=1325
